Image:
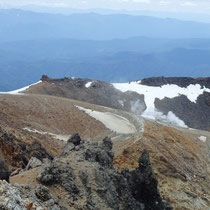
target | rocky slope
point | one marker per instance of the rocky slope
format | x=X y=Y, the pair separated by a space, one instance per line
x=179 y=100
x=180 y=160
x=179 y=156
x=95 y=184
x=39 y=125
x=91 y=91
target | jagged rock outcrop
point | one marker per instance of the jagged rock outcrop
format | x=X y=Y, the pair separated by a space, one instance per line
x=17 y=152
x=144 y=184
x=4 y=171
x=91 y=182
x=86 y=179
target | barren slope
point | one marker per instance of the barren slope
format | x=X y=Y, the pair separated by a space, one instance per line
x=179 y=158
x=52 y=120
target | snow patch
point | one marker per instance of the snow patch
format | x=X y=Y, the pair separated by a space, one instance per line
x=170 y=118
x=88 y=84
x=150 y=93
x=202 y=138
x=18 y=91
x=111 y=121
x=170 y=91
x=56 y=136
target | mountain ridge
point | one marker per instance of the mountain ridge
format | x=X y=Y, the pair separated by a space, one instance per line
x=169 y=100
x=21 y=21
x=178 y=155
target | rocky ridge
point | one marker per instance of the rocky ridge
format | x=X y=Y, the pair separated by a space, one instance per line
x=91 y=91
x=102 y=93
x=95 y=184
x=180 y=81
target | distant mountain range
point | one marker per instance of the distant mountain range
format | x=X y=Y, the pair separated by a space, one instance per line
x=106 y=47
x=25 y=25
x=23 y=63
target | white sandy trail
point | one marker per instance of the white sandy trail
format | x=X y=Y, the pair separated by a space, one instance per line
x=111 y=121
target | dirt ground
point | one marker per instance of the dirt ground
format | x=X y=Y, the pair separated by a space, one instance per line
x=180 y=160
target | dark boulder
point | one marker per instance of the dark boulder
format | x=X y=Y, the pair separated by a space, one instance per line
x=74 y=143
x=75 y=139
x=38 y=151
x=101 y=153
x=58 y=173
x=4 y=171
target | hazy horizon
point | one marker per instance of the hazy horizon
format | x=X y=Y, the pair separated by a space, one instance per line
x=181 y=9
x=94 y=43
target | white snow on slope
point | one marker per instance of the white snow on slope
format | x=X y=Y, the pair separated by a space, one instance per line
x=56 y=136
x=202 y=138
x=18 y=91
x=111 y=121
x=150 y=93
x=88 y=84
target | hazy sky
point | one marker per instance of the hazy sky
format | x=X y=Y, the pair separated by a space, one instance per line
x=201 y=6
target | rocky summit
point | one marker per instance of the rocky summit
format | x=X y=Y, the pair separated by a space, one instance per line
x=85 y=178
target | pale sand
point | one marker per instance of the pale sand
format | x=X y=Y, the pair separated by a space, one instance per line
x=111 y=121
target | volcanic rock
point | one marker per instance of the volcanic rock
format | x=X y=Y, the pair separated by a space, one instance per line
x=180 y=81
x=75 y=139
x=4 y=171
x=42 y=193
x=38 y=151
x=88 y=175
x=33 y=163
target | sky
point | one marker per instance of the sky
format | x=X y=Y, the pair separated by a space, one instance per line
x=189 y=6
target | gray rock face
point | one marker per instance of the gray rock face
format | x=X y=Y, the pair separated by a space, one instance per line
x=33 y=163
x=4 y=171
x=68 y=147
x=17 y=197
x=58 y=173
x=102 y=154
x=42 y=193
x=195 y=115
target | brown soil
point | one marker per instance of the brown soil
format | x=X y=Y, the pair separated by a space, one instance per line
x=180 y=161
